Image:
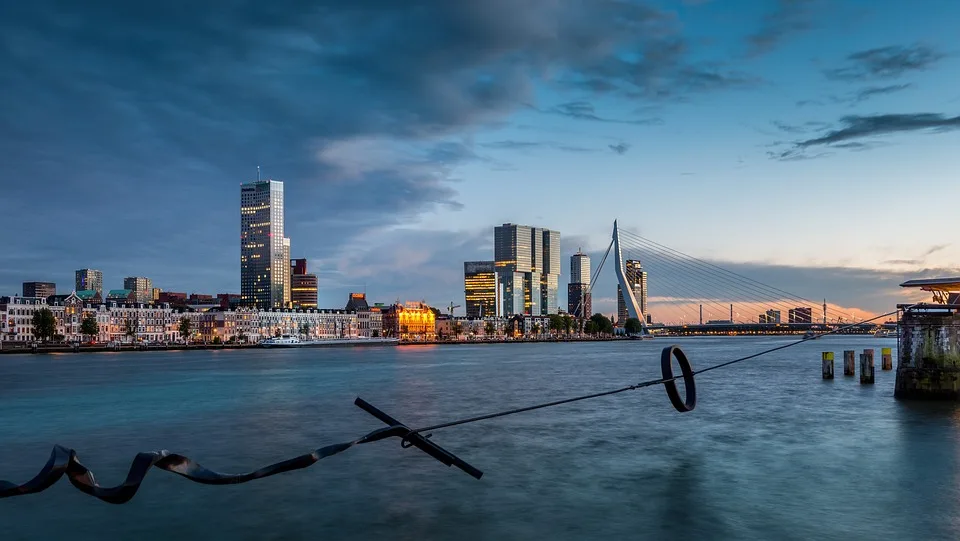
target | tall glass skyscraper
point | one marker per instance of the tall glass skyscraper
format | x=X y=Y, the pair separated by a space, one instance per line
x=579 y=302
x=264 y=262
x=637 y=278
x=527 y=261
x=89 y=280
x=480 y=289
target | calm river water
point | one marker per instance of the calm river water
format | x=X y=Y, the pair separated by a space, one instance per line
x=771 y=451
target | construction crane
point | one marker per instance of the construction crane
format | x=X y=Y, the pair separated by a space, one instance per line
x=451 y=308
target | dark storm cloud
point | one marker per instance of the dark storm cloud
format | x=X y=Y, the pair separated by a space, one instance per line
x=885 y=62
x=787 y=18
x=854 y=128
x=139 y=120
x=620 y=148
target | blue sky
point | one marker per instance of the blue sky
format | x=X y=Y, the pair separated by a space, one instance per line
x=809 y=142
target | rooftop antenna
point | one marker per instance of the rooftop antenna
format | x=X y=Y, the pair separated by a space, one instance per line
x=258 y=173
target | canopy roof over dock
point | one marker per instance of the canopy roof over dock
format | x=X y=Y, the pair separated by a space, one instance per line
x=945 y=290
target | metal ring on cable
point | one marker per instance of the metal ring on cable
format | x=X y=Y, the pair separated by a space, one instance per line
x=686 y=370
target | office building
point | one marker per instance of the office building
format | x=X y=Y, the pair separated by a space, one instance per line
x=287 y=294
x=156 y=294
x=527 y=262
x=39 y=289
x=637 y=278
x=580 y=268
x=770 y=317
x=89 y=280
x=480 y=289
x=264 y=267
x=800 y=315
x=579 y=301
x=303 y=286
x=141 y=287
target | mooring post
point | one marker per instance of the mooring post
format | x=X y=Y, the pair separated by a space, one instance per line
x=827 y=358
x=866 y=367
x=886 y=358
x=849 y=363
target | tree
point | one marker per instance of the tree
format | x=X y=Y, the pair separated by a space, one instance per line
x=489 y=328
x=305 y=329
x=602 y=323
x=567 y=323
x=217 y=340
x=632 y=326
x=184 y=328
x=276 y=332
x=241 y=337
x=535 y=328
x=556 y=322
x=436 y=312
x=375 y=334
x=89 y=327
x=44 y=324
x=458 y=329
x=590 y=327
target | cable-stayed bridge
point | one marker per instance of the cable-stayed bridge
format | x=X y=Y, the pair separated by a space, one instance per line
x=671 y=292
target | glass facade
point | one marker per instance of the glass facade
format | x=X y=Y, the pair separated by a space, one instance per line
x=637 y=278
x=480 y=289
x=534 y=254
x=142 y=288
x=580 y=268
x=263 y=264
x=89 y=280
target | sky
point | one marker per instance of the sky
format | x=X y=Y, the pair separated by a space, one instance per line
x=809 y=144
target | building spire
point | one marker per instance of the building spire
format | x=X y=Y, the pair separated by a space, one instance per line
x=258 y=173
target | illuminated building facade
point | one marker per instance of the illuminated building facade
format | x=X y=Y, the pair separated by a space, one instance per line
x=527 y=262
x=480 y=289
x=637 y=278
x=142 y=288
x=264 y=263
x=413 y=321
x=303 y=286
x=89 y=279
x=39 y=289
x=579 y=301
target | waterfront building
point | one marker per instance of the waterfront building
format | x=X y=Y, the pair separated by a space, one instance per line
x=89 y=279
x=318 y=324
x=17 y=316
x=287 y=278
x=264 y=267
x=480 y=288
x=121 y=296
x=303 y=286
x=770 y=317
x=228 y=301
x=410 y=321
x=579 y=298
x=800 y=315
x=175 y=298
x=142 y=288
x=369 y=318
x=89 y=296
x=156 y=294
x=39 y=289
x=527 y=262
x=637 y=278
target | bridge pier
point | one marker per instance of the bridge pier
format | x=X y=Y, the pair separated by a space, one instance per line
x=928 y=357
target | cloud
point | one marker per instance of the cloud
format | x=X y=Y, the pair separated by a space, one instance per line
x=885 y=62
x=789 y=17
x=854 y=128
x=620 y=148
x=129 y=104
x=582 y=110
x=872 y=91
x=510 y=144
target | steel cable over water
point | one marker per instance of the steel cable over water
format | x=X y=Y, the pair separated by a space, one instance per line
x=64 y=461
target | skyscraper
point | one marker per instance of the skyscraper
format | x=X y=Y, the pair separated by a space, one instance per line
x=39 y=289
x=637 y=278
x=303 y=286
x=264 y=268
x=287 y=277
x=141 y=287
x=579 y=301
x=480 y=289
x=527 y=262
x=89 y=280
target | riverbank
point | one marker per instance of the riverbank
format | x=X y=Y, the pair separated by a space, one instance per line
x=21 y=348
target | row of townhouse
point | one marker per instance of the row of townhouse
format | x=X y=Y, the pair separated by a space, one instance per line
x=161 y=323
x=518 y=325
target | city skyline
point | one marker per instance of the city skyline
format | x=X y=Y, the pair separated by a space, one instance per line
x=765 y=126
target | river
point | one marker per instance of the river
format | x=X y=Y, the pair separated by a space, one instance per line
x=771 y=451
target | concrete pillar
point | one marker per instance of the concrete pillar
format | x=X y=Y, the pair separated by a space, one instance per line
x=928 y=355
x=827 y=360
x=849 y=363
x=886 y=359
x=866 y=367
